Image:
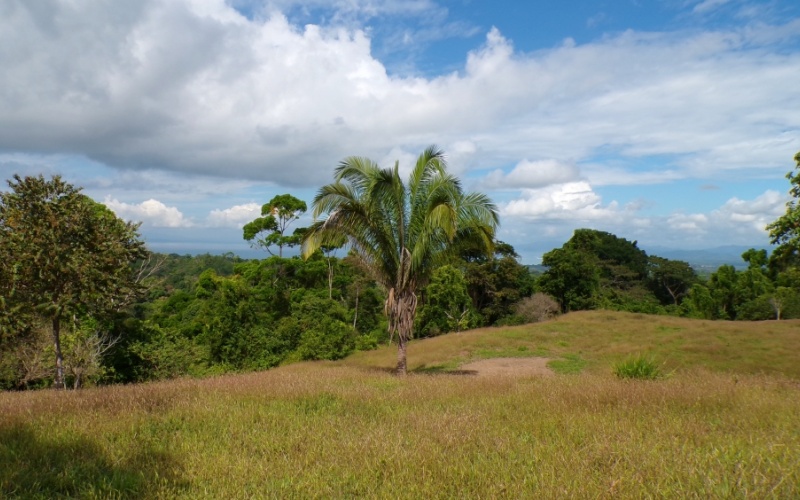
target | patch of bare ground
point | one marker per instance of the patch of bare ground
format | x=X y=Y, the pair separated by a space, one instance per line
x=509 y=367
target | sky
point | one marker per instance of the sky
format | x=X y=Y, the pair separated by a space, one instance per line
x=672 y=123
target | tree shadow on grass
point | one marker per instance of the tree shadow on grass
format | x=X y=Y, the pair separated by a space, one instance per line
x=32 y=466
x=425 y=370
x=442 y=370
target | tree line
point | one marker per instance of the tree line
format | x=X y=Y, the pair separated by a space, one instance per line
x=82 y=301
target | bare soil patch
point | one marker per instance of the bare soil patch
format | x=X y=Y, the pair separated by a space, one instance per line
x=509 y=367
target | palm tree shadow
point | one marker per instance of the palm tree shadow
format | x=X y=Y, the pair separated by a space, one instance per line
x=442 y=370
x=33 y=466
x=424 y=370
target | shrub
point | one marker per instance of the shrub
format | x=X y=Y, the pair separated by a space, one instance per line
x=366 y=343
x=331 y=340
x=537 y=307
x=638 y=367
x=511 y=320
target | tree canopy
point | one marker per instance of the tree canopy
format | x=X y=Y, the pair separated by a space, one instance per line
x=270 y=229
x=785 y=230
x=399 y=231
x=62 y=255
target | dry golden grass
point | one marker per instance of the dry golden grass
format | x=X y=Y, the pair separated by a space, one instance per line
x=350 y=429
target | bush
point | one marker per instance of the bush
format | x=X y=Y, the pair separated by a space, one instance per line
x=537 y=307
x=366 y=342
x=511 y=320
x=331 y=340
x=638 y=367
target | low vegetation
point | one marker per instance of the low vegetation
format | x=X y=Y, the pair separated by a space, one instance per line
x=723 y=425
x=638 y=367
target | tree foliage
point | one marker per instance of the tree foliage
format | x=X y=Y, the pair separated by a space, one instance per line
x=400 y=232
x=271 y=228
x=785 y=230
x=596 y=269
x=672 y=279
x=495 y=282
x=446 y=305
x=62 y=256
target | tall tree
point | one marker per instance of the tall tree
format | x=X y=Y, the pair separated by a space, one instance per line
x=572 y=277
x=675 y=277
x=597 y=269
x=63 y=255
x=276 y=217
x=785 y=230
x=400 y=232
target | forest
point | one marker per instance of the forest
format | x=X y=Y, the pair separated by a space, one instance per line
x=83 y=302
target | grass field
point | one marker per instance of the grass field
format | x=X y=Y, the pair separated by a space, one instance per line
x=724 y=424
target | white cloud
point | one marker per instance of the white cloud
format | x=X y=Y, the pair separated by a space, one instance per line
x=735 y=218
x=195 y=87
x=548 y=217
x=571 y=201
x=235 y=216
x=532 y=174
x=605 y=175
x=756 y=213
x=188 y=101
x=151 y=212
x=692 y=223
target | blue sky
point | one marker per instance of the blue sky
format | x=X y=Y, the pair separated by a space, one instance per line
x=668 y=122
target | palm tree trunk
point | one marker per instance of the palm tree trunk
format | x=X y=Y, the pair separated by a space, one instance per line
x=401 y=356
x=401 y=317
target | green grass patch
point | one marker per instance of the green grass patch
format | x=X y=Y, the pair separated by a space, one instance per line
x=569 y=364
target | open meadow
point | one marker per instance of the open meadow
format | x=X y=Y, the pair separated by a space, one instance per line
x=722 y=423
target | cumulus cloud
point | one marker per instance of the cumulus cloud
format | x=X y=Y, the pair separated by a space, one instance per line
x=532 y=174
x=552 y=214
x=197 y=87
x=188 y=99
x=236 y=216
x=736 y=220
x=692 y=223
x=572 y=201
x=151 y=212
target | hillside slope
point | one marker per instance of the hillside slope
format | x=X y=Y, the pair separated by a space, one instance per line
x=723 y=425
x=600 y=338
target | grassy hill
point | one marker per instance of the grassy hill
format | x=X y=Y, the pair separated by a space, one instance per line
x=724 y=424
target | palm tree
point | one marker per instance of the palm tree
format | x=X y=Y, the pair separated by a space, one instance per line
x=400 y=233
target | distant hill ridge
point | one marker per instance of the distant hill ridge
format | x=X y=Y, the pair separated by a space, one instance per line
x=708 y=259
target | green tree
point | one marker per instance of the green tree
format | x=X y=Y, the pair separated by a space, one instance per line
x=785 y=230
x=675 y=277
x=722 y=284
x=400 y=232
x=63 y=255
x=495 y=283
x=571 y=278
x=598 y=269
x=447 y=306
x=276 y=217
